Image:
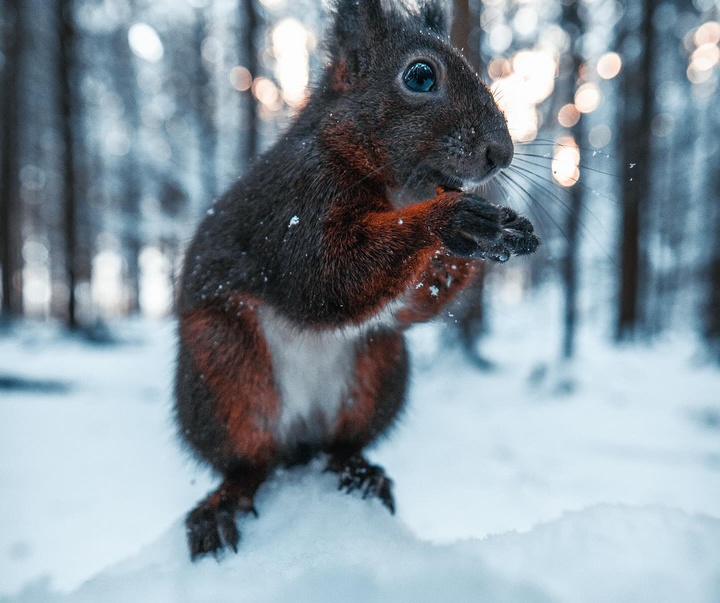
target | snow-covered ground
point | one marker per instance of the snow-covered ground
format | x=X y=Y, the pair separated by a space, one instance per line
x=596 y=482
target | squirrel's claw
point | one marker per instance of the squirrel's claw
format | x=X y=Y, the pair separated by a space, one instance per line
x=211 y=528
x=356 y=473
x=203 y=535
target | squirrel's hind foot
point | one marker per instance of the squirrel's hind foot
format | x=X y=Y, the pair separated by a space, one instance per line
x=212 y=525
x=209 y=530
x=356 y=473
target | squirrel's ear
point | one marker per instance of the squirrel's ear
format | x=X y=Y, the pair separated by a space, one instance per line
x=356 y=25
x=436 y=15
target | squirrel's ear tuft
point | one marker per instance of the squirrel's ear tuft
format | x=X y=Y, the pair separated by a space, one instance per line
x=357 y=24
x=354 y=21
x=436 y=15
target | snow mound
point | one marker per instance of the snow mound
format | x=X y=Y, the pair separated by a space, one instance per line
x=314 y=544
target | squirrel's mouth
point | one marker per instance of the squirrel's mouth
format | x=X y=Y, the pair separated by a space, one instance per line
x=457 y=184
x=451 y=183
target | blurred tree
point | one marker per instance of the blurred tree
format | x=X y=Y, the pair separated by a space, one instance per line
x=68 y=125
x=573 y=26
x=635 y=132
x=14 y=35
x=712 y=306
x=250 y=19
x=146 y=153
x=204 y=106
x=131 y=170
x=468 y=313
x=465 y=32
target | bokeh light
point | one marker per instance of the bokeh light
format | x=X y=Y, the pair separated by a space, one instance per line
x=290 y=42
x=705 y=57
x=609 y=65
x=702 y=44
x=267 y=93
x=156 y=289
x=568 y=115
x=600 y=136
x=500 y=37
x=587 y=98
x=523 y=82
x=240 y=78
x=707 y=33
x=145 y=42
x=566 y=161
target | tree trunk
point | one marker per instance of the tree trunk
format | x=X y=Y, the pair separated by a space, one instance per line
x=249 y=17
x=205 y=110
x=712 y=306
x=573 y=25
x=465 y=31
x=10 y=205
x=66 y=58
x=468 y=313
x=131 y=169
x=712 y=309
x=636 y=169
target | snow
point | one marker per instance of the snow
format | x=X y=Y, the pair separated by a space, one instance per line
x=598 y=481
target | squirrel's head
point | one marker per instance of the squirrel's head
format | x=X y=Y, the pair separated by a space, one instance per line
x=405 y=103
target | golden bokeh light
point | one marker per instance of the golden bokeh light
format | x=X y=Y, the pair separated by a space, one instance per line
x=538 y=69
x=587 y=98
x=609 y=65
x=499 y=68
x=240 y=78
x=267 y=93
x=568 y=116
x=566 y=160
x=707 y=33
x=698 y=76
x=705 y=57
x=523 y=82
x=290 y=47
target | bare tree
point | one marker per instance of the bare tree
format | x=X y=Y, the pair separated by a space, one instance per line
x=204 y=105
x=573 y=25
x=131 y=167
x=66 y=57
x=250 y=19
x=468 y=313
x=712 y=305
x=638 y=96
x=10 y=208
x=465 y=32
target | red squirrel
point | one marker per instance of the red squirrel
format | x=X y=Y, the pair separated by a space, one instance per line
x=302 y=278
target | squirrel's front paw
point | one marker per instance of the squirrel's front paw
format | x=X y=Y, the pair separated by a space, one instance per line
x=480 y=229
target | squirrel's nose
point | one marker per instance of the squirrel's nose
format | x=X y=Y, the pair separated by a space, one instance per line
x=499 y=153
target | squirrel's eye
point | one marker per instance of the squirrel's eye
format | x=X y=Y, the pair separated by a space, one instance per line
x=419 y=77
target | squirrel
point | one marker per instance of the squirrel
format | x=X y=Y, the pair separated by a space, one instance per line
x=301 y=280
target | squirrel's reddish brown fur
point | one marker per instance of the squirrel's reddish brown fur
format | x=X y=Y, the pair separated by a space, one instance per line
x=299 y=283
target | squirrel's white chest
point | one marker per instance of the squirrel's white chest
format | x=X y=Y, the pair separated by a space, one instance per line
x=313 y=370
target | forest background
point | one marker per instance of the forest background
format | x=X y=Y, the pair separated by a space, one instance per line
x=122 y=120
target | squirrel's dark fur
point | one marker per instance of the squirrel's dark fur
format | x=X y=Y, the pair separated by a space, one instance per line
x=300 y=281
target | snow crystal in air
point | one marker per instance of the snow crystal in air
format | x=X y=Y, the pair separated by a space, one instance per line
x=294 y=221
